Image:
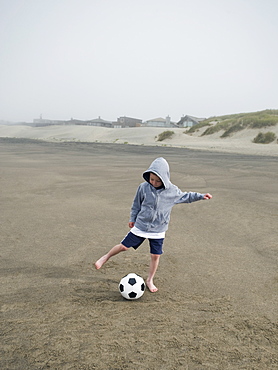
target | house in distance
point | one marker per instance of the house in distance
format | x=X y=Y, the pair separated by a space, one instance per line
x=160 y=122
x=127 y=122
x=189 y=121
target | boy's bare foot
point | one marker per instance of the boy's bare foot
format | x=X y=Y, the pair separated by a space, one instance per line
x=101 y=262
x=151 y=286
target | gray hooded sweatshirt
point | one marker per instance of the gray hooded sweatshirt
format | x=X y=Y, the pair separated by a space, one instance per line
x=152 y=206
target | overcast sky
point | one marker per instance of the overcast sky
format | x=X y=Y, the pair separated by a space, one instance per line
x=139 y=58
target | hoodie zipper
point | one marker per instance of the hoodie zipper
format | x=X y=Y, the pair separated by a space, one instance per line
x=155 y=207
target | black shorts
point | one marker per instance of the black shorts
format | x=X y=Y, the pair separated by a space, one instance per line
x=134 y=241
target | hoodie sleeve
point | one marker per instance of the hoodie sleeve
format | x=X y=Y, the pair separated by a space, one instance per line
x=136 y=205
x=189 y=197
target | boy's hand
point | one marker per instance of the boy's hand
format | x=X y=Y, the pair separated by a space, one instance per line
x=131 y=224
x=207 y=196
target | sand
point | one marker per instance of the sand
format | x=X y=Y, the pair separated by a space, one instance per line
x=63 y=205
x=240 y=142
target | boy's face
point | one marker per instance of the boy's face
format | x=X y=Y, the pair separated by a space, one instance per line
x=155 y=180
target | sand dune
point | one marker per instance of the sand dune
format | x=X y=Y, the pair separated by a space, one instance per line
x=241 y=142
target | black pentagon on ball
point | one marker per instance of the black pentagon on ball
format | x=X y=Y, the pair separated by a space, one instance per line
x=132 y=295
x=132 y=281
x=143 y=287
x=121 y=288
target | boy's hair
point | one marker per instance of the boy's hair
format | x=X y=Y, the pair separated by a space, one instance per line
x=147 y=178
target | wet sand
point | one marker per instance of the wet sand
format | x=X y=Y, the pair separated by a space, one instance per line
x=63 y=205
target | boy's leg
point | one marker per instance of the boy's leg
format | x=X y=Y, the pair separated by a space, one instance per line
x=153 y=267
x=113 y=251
x=156 y=251
x=130 y=240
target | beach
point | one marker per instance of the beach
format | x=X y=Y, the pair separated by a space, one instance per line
x=65 y=201
x=240 y=142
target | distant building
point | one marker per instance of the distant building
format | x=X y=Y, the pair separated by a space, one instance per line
x=160 y=122
x=39 y=122
x=127 y=122
x=99 y=122
x=46 y=122
x=74 y=121
x=189 y=121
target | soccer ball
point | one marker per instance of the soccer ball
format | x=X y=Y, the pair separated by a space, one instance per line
x=132 y=286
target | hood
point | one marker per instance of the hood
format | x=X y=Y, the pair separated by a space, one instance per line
x=160 y=168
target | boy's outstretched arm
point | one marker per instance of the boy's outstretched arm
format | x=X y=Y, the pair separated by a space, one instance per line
x=207 y=196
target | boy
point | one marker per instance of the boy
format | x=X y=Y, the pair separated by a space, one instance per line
x=150 y=215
